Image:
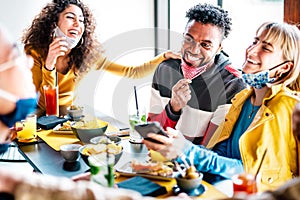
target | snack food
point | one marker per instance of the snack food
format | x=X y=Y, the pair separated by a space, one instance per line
x=91 y=124
x=104 y=145
x=66 y=126
x=153 y=168
x=191 y=173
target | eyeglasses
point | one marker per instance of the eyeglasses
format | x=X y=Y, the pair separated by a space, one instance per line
x=191 y=42
x=18 y=59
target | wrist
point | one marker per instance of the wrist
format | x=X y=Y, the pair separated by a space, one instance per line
x=48 y=68
x=171 y=114
x=173 y=109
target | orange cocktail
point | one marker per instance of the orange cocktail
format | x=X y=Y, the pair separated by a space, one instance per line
x=51 y=100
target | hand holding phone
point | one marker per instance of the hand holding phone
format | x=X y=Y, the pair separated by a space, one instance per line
x=150 y=127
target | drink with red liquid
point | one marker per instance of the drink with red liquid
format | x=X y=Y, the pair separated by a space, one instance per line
x=51 y=100
x=243 y=184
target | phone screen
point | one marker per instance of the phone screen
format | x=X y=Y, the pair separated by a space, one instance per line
x=150 y=127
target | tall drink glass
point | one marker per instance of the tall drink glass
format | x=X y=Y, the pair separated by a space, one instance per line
x=51 y=100
x=102 y=169
x=134 y=119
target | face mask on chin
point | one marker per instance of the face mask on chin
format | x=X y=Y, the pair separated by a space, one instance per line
x=260 y=79
x=71 y=41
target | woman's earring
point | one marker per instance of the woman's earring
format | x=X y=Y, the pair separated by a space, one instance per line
x=81 y=41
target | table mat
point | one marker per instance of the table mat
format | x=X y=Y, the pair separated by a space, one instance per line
x=55 y=140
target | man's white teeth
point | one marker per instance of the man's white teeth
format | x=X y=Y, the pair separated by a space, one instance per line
x=192 y=58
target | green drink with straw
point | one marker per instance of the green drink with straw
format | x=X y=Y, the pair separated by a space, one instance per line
x=102 y=169
x=137 y=115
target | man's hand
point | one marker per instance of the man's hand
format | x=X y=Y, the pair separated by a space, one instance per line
x=171 y=146
x=181 y=94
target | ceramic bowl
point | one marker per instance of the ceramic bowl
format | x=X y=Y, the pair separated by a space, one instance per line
x=188 y=184
x=70 y=152
x=75 y=112
x=84 y=155
x=85 y=133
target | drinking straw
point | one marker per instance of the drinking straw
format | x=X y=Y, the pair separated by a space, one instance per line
x=182 y=173
x=136 y=101
x=260 y=164
x=183 y=158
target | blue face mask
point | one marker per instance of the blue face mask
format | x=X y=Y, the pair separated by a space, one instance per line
x=260 y=79
x=23 y=108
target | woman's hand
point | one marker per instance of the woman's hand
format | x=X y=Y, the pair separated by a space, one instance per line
x=58 y=47
x=172 y=54
x=171 y=146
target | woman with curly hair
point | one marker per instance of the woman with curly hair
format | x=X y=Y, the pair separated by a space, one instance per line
x=62 y=42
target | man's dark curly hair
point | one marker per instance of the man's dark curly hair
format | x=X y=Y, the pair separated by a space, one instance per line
x=40 y=34
x=209 y=14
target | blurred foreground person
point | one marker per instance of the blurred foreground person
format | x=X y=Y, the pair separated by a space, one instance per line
x=17 y=92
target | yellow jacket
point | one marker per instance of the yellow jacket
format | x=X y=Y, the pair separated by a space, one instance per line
x=271 y=129
x=66 y=83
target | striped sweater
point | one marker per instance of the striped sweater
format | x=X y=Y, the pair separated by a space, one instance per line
x=211 y=94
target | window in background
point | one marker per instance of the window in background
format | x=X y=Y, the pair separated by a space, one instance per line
x=125 y=28
x=247 y=16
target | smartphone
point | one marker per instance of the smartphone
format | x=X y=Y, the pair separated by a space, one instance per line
x=150 y=127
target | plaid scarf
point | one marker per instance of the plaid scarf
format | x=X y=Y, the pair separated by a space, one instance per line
x=190 y=72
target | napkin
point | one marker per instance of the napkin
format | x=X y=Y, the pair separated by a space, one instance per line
x=143 y=186
x=49 y=122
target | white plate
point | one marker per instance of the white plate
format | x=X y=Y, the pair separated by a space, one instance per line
x=56 y=130
x=126 y=170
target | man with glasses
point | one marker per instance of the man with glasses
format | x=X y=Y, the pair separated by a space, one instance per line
x=193 y=94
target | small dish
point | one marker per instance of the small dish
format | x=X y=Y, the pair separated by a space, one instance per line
x=115 y=139
x=29 y=141
x=195 y=192
x=58 y=129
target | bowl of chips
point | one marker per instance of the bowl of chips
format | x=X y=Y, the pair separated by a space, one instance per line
x=86 y=130
x=102 y=147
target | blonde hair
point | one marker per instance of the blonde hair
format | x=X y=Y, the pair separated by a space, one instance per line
x=287 y=36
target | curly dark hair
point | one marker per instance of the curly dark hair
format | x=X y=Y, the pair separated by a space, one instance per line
x=40 y=34
x=209 y=14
